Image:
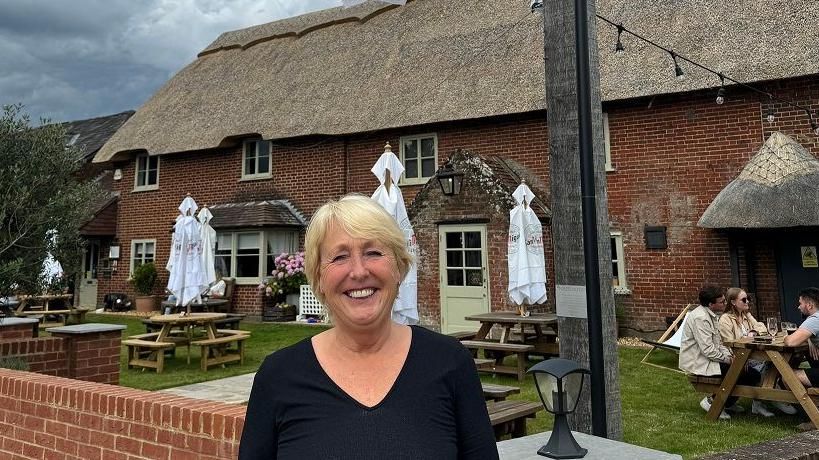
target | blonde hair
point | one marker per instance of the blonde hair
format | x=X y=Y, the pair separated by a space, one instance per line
x=730 y=295
x=360 y=217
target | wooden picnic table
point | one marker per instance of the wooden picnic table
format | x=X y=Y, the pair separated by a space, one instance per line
x=779 y=355
x=541 y=340
x=40 y=306
x=207 y=305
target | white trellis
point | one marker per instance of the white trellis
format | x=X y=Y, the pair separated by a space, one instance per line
x=309 y=304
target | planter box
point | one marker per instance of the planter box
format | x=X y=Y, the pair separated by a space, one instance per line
x=270 y=312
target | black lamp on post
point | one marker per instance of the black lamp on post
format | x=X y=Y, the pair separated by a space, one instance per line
x=559 y=382
x=450 y=180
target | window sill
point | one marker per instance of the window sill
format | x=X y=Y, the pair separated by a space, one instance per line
x=147 y=188
x=610 y=168
x=254 y=178
x=621 y=290
x=414 y=182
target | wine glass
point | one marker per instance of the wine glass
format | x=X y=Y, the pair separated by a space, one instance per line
x=773 y=326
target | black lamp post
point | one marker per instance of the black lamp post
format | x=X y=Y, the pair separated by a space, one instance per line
x=450 y=180
x=559 y=382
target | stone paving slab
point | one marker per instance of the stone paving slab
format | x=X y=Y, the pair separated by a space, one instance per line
x=234 y=390
x=526 y=448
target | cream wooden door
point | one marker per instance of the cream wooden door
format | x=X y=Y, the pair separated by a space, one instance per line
x=462 y=258
x=88 y=281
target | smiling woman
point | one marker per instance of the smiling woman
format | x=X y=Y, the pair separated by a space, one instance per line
x=369 y=387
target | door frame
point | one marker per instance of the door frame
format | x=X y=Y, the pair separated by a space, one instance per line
x=442 y=230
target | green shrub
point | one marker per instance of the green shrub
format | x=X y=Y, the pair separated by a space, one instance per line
x=14 y=363
x=144 y=279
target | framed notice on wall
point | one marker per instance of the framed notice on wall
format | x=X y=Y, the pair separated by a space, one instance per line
x=809 y=259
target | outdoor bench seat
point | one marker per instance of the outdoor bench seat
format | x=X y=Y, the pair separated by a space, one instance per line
x=138 y=348
x=463 y=335
x=509 y=417
x=518 y=349
x=493 y=392
x=217 y=351
x=484 y=363
x=232 y=331
x=705 y=384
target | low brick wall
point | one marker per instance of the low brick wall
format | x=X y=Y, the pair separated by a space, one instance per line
x=803 y=446
x=47 y=417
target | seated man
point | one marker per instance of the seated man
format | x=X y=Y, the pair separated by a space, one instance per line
x=702 y=351
x=808 y=332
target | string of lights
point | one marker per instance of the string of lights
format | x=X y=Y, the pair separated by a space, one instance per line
x=770 y=114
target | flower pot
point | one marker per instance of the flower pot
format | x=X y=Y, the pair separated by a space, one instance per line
x=146 y=303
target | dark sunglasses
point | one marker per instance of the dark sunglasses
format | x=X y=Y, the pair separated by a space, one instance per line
x=744 y=300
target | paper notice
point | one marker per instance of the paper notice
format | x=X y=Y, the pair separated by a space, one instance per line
x=571 y=301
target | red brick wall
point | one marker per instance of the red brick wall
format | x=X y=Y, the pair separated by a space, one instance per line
x=45 y=355
x=44 y=417
x=672 y=155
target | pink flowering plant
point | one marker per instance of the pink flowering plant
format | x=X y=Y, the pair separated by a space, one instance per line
x=286 y=277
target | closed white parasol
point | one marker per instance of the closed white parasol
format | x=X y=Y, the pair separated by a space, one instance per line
x=187 y=278
x=527 y=264
x=386 y=169
x=208 y=236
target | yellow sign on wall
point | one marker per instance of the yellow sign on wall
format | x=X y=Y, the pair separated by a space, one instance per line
x=809 y=259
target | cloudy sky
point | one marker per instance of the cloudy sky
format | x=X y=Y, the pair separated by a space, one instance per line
x=76 y=59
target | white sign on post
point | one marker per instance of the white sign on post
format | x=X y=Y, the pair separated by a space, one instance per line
x=571 y=301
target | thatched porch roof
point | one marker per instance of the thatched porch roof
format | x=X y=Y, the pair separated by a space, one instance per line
x=779 y=187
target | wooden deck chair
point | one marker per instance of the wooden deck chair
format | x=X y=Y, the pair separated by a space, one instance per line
x=671 y=338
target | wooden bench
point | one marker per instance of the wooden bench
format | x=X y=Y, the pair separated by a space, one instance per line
x=230 y=322
x=138 y=348
x=463 y=335
x=513 y=348
x=77 y=315
x=493 y=392
x=705 y=384
x=509 y=417
x=217 y=351
x=43 y=315
x=484 y=363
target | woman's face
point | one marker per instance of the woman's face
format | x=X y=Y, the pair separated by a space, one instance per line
x=742 y=302
x=359 y=279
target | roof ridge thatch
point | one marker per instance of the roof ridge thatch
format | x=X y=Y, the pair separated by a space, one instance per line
x=778 y=187
x=376 y=67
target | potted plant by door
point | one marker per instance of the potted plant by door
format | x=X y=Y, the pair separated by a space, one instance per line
x=143 y=280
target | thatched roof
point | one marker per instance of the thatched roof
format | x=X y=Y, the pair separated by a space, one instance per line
x=378 y=66
x=779 y=187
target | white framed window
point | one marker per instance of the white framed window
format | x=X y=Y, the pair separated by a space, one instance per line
x=147 y=173
x=618 y=264
x=142 y=252
x=607 y=142
x=248 y=255
x=419 y=154
x=256 y=160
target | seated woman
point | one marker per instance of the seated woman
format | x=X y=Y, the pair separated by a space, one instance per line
x=368 y=388
x=738 y=322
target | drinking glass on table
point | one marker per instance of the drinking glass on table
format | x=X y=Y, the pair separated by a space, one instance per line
x=773 y=326
x=788 y=327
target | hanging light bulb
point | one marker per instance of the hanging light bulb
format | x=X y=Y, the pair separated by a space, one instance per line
x=678 y=71
x=619 y=48
x=721 y=92
x=770 y=115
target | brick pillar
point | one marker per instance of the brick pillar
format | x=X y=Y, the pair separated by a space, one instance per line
x=92 y=350
x=17 y=328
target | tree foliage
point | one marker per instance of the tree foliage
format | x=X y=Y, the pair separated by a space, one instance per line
x=40 y=194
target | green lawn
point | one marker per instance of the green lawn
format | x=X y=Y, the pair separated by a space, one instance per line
x=660 y=408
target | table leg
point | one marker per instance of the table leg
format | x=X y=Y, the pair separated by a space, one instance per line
x=728 y=383
x=483 y=332
x=796 y=387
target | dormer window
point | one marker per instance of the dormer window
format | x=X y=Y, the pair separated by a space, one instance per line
x=256 y=160
x=147 y=173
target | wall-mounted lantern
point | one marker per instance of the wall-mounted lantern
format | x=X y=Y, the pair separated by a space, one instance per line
x=450 y=180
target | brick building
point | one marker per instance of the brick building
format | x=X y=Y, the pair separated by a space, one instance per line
x=296 y=112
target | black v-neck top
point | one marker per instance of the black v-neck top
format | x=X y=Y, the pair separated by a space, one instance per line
x=434 y=410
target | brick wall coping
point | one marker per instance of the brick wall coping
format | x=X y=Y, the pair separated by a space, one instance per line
x=14 y=321
x=803 y=446
x=86 y=328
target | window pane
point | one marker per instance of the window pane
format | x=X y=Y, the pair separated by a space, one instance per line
x=453 y=240
x=152 y=177
x=427 y=167
x=474 y=278
x=454 y=259
x=473 y=239
x=454 y=277
x=615 y=278
x=250 y=150
x=250 y=166
x=248 y=241
x=613 y=249
x=224 y=242
x=411 y=169
x=281 y=241
x=149 y=250
x=411 y=149
x=141 y=178
x=473 y=258
x=247 y=266
x=264 y=165
x=428 y=148
x=138 y=252
x=153 y=162
x=223 y=266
